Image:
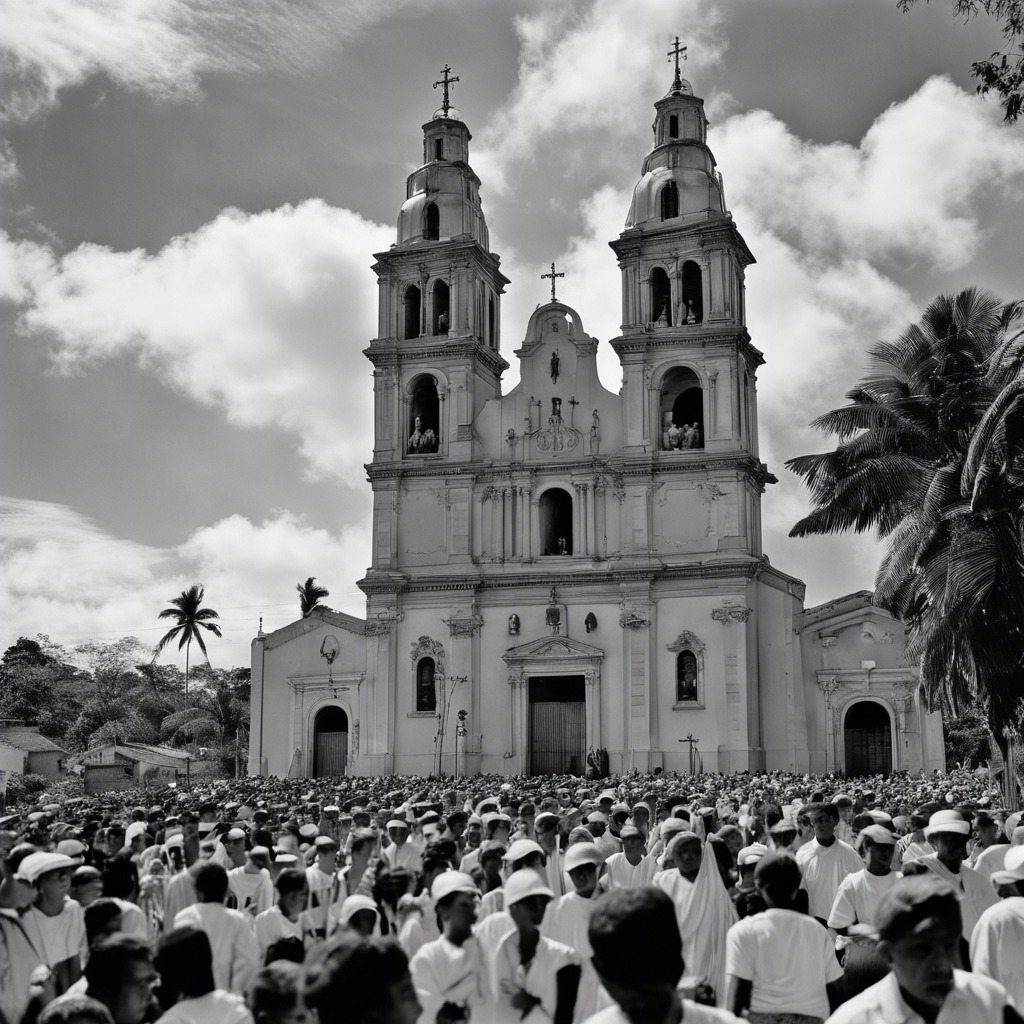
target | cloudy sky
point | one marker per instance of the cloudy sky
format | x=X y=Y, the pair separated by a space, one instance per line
x=190 y=195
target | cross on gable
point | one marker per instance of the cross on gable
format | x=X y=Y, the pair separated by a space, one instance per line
x=552 y=275
x=446 y=82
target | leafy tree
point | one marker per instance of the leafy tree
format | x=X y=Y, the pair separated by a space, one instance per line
x=217 y=714
x=967 y=736
x=1003 y=73
x=310 y=595
x=953 y=570
x=40 y=685
x=191 y=618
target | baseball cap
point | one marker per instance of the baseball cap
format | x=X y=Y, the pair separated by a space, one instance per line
x=582 y=853
x=522 y=848
x=325 y=843
x=878 y=834
x=751 y=854
x=37 y=864
x=353 y=904
x=1013 y=867
x=71 y=848
x=453 y=881
x=524 y=884
x=630 y=832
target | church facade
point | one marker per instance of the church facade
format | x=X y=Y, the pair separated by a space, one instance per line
x=560 y=569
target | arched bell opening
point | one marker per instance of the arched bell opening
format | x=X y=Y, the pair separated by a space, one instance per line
x=692 y=311
x=673 y=126
x=556 y=522
x=669 y=198
x=682 y=410
x=330 y=741
x=412 y=301
x=424 y=416
x=661 y=298
x=440 y=307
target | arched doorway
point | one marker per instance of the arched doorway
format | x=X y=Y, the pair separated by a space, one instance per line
x=867 y=732
x=330 y=741
x=556 y=522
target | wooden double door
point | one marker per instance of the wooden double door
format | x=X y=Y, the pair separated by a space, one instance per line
x=558 y=725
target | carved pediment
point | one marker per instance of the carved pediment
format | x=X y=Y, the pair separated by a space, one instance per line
x=552 y=648
x=687 y=641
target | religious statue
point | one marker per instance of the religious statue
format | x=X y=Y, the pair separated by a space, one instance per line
x=691 y=436
x=595 y=434
x=563 y=547
x=671 y=435
x=422 y=441
x=553 y=615
x=442 y=324
x=555 y=419
x=691 y=317
x=554 y=366
x=590 y=622
x=513 y=625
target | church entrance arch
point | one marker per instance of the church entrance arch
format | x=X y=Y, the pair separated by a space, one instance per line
x=558 y=725
x=867 y=737
x=330 y=741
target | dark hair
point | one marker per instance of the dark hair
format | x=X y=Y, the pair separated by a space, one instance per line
x=207 y=807
x=355 y=974
x=455 y=817
x=778 y=875
x=635 y=937
x=275 y=990
x=185 y=962
x=291 y=880
x=71 y=1009
x=290 y=948
x=120 y=876
x=211 y=882
x=911 y=901
x=109 y=959
x=98 y=916
x=821 y=808
x=772 y=815
x=17 y=855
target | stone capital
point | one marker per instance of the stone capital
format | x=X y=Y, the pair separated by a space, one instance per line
x=731 y=613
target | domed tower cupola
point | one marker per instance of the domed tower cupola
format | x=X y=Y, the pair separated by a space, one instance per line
x=443 y=195
x=678 y=178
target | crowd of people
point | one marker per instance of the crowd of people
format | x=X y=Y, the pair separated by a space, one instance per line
x=651 y=899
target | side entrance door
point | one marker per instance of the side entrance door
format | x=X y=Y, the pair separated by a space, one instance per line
x=558 y=725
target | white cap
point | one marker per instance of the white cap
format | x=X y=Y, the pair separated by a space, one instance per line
x=452 y=881
x=352 y=906
x=38 y=864
x=136 y=828
x=751 y=854
x=398 y=823
x=235 y=834
x=582 y=853
x=878 y=834
x=947 y=822
x=522 y=848
x=524 y=884
x=1013 y=867
x=177 y=839
x=71 y=848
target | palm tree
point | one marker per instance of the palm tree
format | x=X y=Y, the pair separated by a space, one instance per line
x=220 y=709
x=191 y=618
x=310 y=595
x=953 y=568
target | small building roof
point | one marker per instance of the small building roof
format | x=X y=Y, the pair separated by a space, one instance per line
x=143 y=752
x=316 y=618
x=29 y=739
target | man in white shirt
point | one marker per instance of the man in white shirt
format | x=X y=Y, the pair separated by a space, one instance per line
x=638 y=956
x=825 y=861
x=449 y=973
x=997 y=942
x=546 y=827
x=401 y=853
x=919 y=930
x=860 y=893
x=682 y=865
x=947 y=831
x=633 y=866
x=235 y=952
x=251 y=885
x=324 y=884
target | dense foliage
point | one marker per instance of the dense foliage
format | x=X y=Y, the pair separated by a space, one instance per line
x=930 y=454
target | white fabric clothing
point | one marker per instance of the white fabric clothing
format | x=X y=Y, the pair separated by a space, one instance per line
x=991 y=859
x=181 y=893
x=324 y=890
x=973 y=999
x=492 y=930
x=914 y=850
x=492 y=902
x=567 y=921
x=558 y=881
x=679 y=888
x=254 y=893
x=470 y=861
x=693 y=1013
x=844 y=831
x=272 y=926
x=445 y=973
x=977 y=893
x=997 y=947
x=133 y=920
x=623 y=875
x=404 y=856
x=788 y=957
x=539 y=978
x=57 y=938
x=823 y=869
x=236 y=956
x=710 y=913
x=858 y=898
x=410 y=934
x=216 y=1007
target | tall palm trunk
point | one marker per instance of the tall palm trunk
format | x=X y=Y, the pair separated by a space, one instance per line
x=188 y=647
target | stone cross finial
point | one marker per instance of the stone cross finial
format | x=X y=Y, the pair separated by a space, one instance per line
x=447 y=82
x=552 y=275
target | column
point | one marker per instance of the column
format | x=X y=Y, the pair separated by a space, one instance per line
x=577 y=539
x=524 y=522
x=588 y=498
x=592 y=678
x=735 y=651
x=506 y=523
x=535 y=542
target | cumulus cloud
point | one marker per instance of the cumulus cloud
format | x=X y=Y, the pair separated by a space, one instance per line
x=264 y=315
x=62 y=574
x=162 y=47
x=590 y=71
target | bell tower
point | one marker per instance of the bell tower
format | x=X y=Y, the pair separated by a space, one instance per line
x=436 y=356
x=689 y=394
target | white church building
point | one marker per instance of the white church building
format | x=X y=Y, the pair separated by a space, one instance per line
x=561 y=568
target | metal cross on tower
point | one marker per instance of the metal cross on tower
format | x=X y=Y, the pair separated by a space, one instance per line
x=552 y=275
x=446 y=82
x=676 y=51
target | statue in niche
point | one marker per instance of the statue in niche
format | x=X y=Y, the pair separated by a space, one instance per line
x=422 y=441
x=554 y=366
x=555 y=419
x=563 y=547
x=691 y=435
x=671 y=435
x=553 y=616
x=691 y=317
x=595 y=434
x=442 y=324
x=590 y=622
x=513 y=625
